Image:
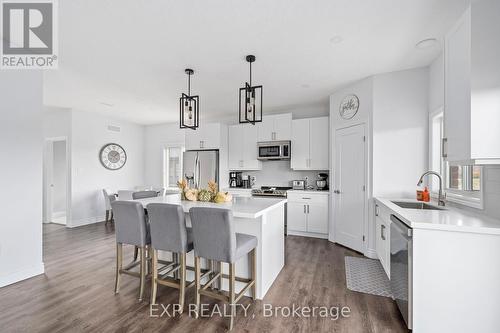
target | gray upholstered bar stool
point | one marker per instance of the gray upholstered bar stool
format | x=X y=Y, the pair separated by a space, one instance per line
x=215 y=238
x=169 y=233
x=131 y=228
x=144 y=194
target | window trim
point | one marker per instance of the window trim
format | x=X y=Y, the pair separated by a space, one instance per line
x=165 y=169
x=470 y=199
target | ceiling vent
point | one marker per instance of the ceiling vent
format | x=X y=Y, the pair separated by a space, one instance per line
x=113 y=128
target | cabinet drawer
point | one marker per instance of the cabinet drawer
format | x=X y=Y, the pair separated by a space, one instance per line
x=308 y=198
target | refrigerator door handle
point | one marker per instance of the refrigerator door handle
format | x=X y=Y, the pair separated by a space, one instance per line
x=199 y=172
x=195 y=169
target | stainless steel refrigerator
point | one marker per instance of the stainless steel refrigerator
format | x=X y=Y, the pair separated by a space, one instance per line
x=200 y=166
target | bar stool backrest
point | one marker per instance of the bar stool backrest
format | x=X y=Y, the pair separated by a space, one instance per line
x=168 y=227
x=214 y=235
x=130 y=223
x=144 y=194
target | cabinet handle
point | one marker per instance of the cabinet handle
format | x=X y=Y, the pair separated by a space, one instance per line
x=444 y=144
x=376 y=210
x=306 y=198
x=202 y=144
x=382 y=235
x=307 y=209
x=304 y=209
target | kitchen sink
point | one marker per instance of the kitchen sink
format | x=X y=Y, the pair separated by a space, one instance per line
x=415 y=205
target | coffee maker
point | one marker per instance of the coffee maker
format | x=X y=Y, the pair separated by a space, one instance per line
x=235 y=179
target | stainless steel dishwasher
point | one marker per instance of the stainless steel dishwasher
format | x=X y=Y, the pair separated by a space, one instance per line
x=401 y=267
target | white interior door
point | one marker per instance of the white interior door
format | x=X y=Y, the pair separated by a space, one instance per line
x=349 y=187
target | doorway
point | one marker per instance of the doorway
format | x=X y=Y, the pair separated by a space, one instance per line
x=56 y=181
x=350 y=187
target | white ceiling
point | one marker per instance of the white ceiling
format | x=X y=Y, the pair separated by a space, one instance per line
x=132 y=54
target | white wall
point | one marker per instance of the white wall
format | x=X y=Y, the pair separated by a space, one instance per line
x=59 y=177
x=20 y=175
x=89 y=133
x=400 y=132
x=156 y=138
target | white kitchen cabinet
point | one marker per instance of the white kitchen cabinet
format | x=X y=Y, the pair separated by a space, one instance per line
x=382 y=238
x=457 y=90
x=207 y=136
x=310 y=144
x=275 y=128
x=307 y=214
x=472 y=87
x=296 y=217
x=317 y=218
x=243 y=147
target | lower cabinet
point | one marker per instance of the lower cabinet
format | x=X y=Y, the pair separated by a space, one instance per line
x=307 y=214
x=383 y=238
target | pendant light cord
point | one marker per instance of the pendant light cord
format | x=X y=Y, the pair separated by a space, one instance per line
x=250 y=74
x=189 y=84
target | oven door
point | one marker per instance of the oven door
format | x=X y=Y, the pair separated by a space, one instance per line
x=269 y=151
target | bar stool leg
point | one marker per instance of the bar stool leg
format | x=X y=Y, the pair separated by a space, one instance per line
x=231 y=294
x=197 y=284
x=119 y=254
x=143 y=271
x=182 y=282
x=154 y=276
x=136 y=252
x=253 y=260
x=219 y=280
x=107 y=217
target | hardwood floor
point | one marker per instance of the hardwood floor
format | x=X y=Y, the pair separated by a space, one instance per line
x=76 y=293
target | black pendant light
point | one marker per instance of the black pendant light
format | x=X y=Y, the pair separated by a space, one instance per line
x=189 y=106
x=250 y=99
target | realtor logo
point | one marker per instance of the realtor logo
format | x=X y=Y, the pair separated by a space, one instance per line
x=29 y=39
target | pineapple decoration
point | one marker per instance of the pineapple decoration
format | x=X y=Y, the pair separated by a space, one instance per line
x=209 y=194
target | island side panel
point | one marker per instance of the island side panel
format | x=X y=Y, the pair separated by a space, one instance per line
x=273 y=246
x=444 y=297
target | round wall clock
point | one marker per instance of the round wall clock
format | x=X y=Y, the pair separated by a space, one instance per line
x=112 y=156
x=349 y=106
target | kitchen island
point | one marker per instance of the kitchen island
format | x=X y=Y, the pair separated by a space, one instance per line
x=260 y=217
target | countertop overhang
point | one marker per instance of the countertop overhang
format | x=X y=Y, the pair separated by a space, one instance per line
x=447 y=219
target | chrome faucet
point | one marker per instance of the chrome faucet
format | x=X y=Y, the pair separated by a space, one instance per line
x=441 y=197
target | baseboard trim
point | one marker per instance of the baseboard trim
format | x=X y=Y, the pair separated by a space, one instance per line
x=306 y=234
x=85 y=221
x=371 y=253
x=22 y=274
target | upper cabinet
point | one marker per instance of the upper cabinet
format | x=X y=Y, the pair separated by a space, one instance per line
x=310 y=144
x=207 y=136
x=243 y=147
x=472 y=86
x=275 y=128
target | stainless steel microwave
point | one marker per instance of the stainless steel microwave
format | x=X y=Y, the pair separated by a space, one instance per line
x=274 y=150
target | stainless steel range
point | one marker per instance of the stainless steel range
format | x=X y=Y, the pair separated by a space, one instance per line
x=271 y=191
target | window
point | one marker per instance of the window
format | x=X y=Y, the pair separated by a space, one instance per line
x=462 y=183
x=172 y=166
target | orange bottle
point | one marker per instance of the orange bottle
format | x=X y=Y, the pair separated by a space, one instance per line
x=426 y=195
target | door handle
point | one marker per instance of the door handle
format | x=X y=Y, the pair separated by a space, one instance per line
x=304 y=209
x=382 y=234
x=376 y=210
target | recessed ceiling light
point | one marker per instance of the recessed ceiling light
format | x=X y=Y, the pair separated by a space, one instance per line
x=427 y=43
x=107 y=104
x=336 y=39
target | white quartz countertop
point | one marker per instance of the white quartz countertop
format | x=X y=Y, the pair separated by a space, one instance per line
x=449 y=219
x=245 y=207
